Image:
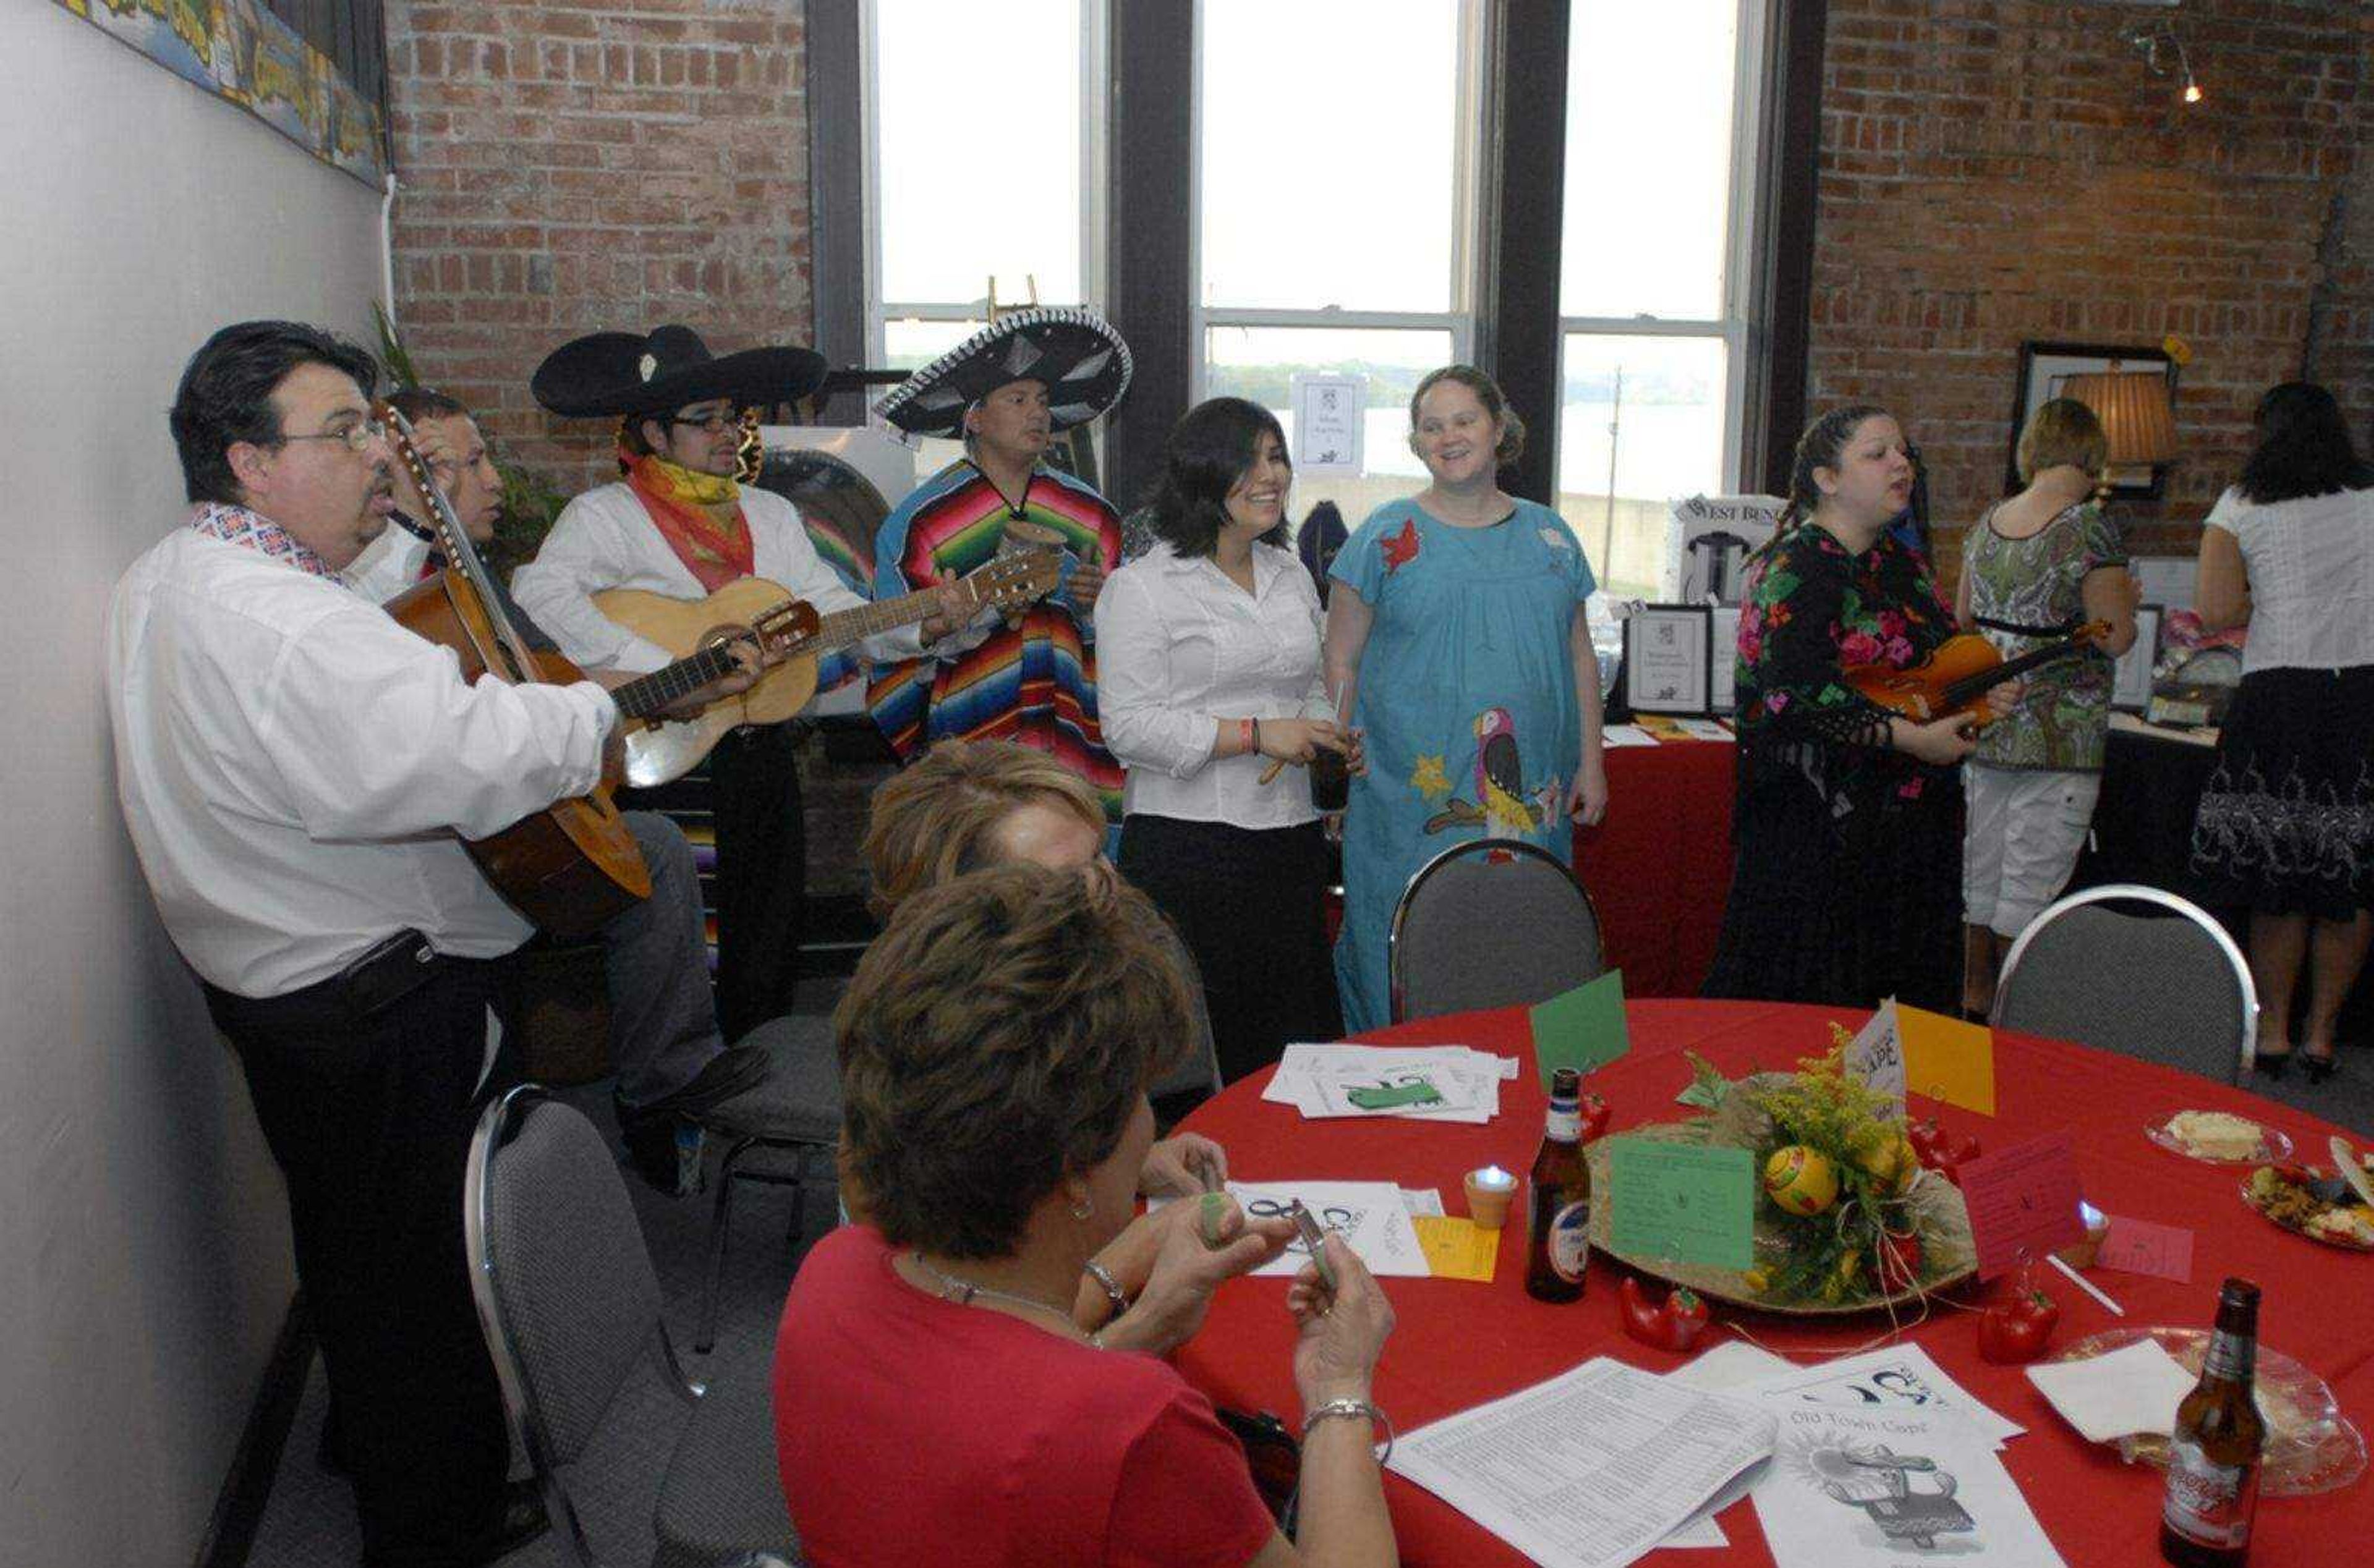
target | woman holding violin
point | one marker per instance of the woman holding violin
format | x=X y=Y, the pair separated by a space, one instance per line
x=1846 y=883
x=2034 y=567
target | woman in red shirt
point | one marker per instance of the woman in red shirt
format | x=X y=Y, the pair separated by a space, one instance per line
x=945 y=1389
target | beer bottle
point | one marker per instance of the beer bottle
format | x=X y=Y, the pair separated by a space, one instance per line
x=1560 y=1196
x=2212 y=1458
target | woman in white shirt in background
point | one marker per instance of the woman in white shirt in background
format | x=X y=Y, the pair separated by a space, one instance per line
x=2287 y=823
x=1207 y=675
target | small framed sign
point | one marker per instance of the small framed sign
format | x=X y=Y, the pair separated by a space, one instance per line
x=1667 y=664
x=1722 y=660
x=2130 y=681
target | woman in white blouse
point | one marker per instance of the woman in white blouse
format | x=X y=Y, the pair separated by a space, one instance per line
x=1207 y=678
x=2287 y=823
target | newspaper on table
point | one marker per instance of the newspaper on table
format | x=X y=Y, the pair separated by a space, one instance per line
x=1727 y=1365
x=1893 y=1378
x=1425 y=1083
x=1880 y=1486
x=1589 y=1469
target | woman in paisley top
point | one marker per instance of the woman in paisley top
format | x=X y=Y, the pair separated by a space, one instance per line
x=2035 y=567
x=1845 y=884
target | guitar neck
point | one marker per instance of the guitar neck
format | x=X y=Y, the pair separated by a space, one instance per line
x=1968 y=690
x=647 y=695
x=859 y=622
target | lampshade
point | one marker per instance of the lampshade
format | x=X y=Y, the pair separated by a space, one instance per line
x=2133 y=407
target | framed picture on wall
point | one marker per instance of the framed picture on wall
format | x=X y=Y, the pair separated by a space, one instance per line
x=2130 y=680
x=2048 y=371
x=1666 y=666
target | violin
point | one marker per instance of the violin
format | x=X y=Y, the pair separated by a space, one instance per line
x=1957 y=675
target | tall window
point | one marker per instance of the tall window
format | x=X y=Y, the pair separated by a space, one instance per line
x=984 y=127
x=1653 y=286
x=1335 y=206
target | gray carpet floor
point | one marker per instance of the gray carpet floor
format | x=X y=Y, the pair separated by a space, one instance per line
x=310 y=1520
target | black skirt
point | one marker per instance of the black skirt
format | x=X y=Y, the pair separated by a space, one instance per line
x=1251 y=903
x=2287 y=823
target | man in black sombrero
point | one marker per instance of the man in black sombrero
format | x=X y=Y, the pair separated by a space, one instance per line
x=679 y=522
x=1004 y=393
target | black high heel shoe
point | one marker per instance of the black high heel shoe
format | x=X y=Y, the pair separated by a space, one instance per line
x=2318 y=1068
x=2270 y=1066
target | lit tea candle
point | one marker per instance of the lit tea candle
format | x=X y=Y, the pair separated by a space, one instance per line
x=1488 y=1190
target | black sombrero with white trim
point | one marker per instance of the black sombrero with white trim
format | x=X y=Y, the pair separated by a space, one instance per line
x=1082 y=362
x=624 y=372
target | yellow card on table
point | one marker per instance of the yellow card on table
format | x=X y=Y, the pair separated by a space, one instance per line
x=1457 y=1248
x=1947 y=1059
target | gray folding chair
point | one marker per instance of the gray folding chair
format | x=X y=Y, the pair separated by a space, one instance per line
x=1197 y=1071
x=569 y=1307
x=2159 y=980
x=796 y=1109
x=1493 y=923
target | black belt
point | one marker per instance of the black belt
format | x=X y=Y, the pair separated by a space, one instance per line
x=376 y=980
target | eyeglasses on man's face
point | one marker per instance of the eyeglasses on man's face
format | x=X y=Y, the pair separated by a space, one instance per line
x=714 y=421
x=358 y=437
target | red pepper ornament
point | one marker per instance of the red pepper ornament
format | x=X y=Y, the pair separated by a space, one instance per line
x=1899 y=1260
x=1592 y=1112
x=1673 y=1324
x=2019 y=1329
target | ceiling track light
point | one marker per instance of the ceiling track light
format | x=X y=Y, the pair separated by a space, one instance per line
x=2163 y=53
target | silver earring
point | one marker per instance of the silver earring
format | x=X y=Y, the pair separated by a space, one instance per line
x=1084 y=1209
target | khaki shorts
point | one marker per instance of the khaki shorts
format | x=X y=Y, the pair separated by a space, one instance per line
x=2024 y=828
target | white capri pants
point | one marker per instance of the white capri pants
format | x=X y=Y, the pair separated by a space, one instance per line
x=2023 y=829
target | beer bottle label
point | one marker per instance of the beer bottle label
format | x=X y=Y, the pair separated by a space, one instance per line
x=2208 y=1503
x=1565 y=1124
x=1570 y=1241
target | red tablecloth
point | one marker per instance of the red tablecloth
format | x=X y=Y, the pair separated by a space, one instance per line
x=1460 y=1344
x=1659 y=867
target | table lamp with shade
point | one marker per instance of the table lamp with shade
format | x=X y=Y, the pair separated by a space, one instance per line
x=2134 y=408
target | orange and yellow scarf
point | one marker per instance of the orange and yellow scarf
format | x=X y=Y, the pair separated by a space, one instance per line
x=674 y=495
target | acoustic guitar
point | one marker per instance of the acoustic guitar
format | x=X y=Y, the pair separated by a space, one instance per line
x=569 y=867
x=794 y=636
x=1958 y=674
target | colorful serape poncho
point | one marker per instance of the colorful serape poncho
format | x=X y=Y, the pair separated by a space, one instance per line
x=1034 y=683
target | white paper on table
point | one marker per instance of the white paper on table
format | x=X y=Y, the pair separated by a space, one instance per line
x=2134 y=1389
x=1729 y=1365
x=1589 y=1469
x=1861 y=1488
x=1892 y=1377
x=1876 y=1054
x=1455 y=1092
x=1423 y=1202
x=1626 y=735
x=1703 y=729
x=1312 y=1078
x=1369 y=1215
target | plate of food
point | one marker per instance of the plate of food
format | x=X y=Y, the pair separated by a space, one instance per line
x=2311 y=1447
x=2220 y=1138
x=2313 y=1202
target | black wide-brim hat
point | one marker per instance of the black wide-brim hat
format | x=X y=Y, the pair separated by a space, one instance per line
x=1082 y=361
x=624 y=372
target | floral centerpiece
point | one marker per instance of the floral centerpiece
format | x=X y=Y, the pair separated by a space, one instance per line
x=1847 y=1217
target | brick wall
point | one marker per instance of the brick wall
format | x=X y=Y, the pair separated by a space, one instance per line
x=569 y=166
x=1998 y=172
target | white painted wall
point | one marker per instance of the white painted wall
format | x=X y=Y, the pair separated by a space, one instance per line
x=144 y=1256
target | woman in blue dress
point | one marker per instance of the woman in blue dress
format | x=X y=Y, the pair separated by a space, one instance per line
x=1465 y=654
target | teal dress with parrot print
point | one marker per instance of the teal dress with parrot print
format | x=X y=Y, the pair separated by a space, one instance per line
x=1467 y=701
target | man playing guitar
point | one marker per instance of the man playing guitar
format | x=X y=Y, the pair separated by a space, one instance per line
x=669 y=1054
x=679 y=523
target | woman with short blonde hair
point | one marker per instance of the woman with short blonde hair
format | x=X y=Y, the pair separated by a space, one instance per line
x=2034 y=568
x=965 y=804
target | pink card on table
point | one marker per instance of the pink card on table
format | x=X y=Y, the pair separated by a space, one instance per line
x=2022 y=1199
x=2144 y=1247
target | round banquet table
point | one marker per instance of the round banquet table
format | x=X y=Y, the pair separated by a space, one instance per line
x=1459 y=1343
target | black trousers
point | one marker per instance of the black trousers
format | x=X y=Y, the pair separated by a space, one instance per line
x=762 y=873
x=1251 y=903
x=368 y=1115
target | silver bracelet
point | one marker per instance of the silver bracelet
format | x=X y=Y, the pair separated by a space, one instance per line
x=1113 y=1292
x=1334 y=1407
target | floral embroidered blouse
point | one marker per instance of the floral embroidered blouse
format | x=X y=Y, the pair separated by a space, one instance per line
x=1810 y=609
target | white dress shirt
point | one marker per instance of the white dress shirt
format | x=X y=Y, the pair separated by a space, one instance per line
x=389 y=564
x=2311 y=570
x=291 y=761
x=605 y=539
x=1179 y=648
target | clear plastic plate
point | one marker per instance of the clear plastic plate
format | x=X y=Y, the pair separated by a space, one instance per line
x=2275 y=1147
x=2311 y=1447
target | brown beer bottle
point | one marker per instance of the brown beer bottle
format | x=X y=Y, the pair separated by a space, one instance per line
x=2212 y=1459
x=1559 y=1196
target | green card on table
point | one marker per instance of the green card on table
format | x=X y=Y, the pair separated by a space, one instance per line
x=1581 y=1029
x=1681 y=1202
